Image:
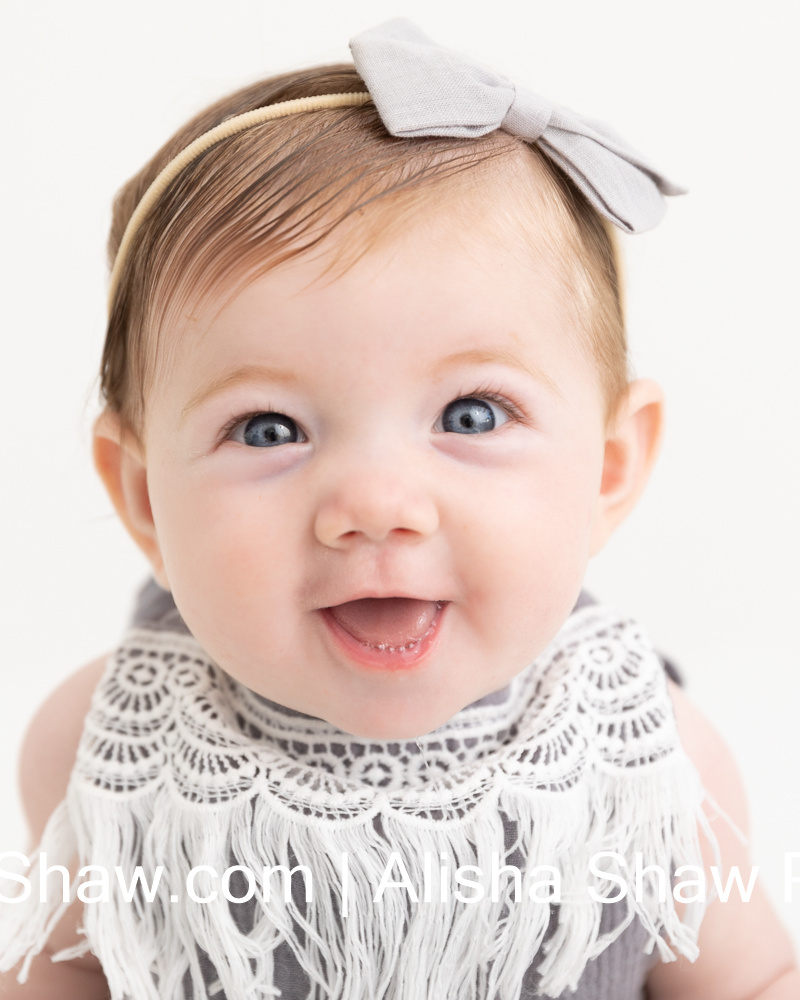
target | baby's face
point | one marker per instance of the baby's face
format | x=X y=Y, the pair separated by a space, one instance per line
x=375 y=493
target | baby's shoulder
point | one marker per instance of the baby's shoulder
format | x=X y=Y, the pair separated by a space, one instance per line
x=744 y=950
x=51 y=744
x=712 y=757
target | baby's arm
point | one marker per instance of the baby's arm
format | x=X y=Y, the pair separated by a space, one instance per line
x=745 y=953
x=48 y=753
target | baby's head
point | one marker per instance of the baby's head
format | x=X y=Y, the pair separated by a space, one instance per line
x=368 y=408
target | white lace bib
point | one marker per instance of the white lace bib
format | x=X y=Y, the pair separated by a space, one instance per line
x=180 y=766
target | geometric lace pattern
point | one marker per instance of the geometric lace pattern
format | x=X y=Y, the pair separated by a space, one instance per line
x=180 y=767
x=596 y=695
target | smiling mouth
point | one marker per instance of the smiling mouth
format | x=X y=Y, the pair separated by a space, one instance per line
x=386 y=631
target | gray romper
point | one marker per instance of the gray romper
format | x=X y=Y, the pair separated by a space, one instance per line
x=618 y=973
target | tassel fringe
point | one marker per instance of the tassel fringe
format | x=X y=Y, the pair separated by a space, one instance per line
x=393 y=948
x=180 y=768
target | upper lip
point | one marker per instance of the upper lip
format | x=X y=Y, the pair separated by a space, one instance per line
x=361 y=595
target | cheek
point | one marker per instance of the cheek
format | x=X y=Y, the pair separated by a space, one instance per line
x=226 y=546
x=527 y=547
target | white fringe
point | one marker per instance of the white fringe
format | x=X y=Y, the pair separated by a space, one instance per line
x=394 y=948
x=162 y=714
x=25 y=927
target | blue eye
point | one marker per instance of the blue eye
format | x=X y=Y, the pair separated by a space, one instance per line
x=470 y=415
x=266 y=430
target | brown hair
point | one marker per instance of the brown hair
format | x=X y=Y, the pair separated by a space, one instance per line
x=278 y=189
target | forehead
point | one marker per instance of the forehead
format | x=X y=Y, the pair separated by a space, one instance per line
x=509 y=191
x=465 y=282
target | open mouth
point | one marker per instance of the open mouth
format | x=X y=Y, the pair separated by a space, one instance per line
x=386 y=631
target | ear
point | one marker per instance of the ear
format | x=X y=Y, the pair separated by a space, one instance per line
x=120 y=460
x=631 y=448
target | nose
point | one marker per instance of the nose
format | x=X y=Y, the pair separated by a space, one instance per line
x=375 y=504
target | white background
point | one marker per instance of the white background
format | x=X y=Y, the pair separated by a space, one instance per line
x=709 y=89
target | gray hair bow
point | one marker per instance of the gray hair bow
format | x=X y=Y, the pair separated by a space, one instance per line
x=420 y=88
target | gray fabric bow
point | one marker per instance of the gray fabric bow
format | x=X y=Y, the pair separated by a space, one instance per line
x=420 y=88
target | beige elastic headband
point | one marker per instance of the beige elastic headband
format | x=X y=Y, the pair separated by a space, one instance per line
x=422 y=89
x=203 y=142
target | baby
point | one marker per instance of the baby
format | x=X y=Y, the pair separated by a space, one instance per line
x=368 y=414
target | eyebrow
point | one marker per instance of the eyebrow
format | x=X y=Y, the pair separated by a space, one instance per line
x=244 y=375
x=484 y=357
x=253 y=374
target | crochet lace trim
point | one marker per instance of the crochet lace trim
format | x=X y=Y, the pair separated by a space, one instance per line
x=181 y=766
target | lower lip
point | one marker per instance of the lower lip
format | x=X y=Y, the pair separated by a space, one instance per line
x=383 y=659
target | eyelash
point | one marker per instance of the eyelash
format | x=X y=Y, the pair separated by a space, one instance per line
x=487 y=392
x=513 y=411
x=241 y=418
